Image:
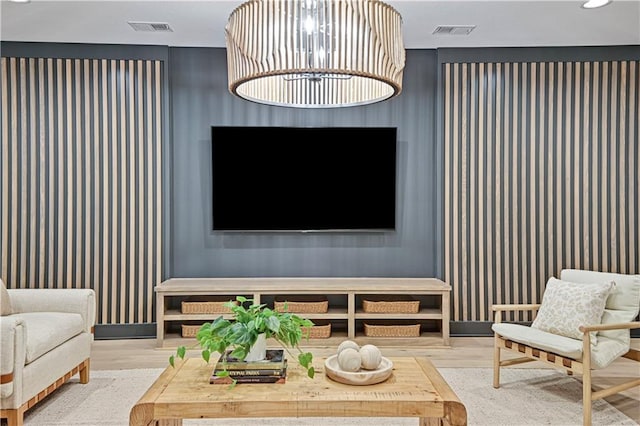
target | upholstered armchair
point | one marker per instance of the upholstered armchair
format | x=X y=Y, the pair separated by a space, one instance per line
x=583 y=323
x=46 y=337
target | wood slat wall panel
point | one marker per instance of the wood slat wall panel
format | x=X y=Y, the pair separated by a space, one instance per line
x=541 y=173
x=81 y=179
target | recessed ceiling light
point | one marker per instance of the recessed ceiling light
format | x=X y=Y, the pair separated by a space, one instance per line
x=592 y=4
x=20 y=1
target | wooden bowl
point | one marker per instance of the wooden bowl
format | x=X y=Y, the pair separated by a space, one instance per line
x=359 y=378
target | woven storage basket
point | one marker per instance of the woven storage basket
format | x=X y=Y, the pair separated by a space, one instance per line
x=318 y=331
x=190 y=330
x=375 y=330
x=211 y=306
x=391 y=306
x=302 y=307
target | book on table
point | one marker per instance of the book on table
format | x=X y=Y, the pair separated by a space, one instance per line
x=273 y=369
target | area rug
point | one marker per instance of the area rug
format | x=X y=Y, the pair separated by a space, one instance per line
x=526 y=397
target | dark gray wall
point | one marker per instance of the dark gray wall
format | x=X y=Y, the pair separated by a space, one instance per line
x=200 y=99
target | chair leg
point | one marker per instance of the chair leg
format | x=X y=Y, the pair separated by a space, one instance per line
x=496 y=363
x=15 y=417
x=586 y=398
x=586 y=380
x=84 y=372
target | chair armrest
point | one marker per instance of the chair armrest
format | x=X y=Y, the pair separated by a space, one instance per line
x=616 y=326
x=76 y=301
x=11 y=336
x=520 y=307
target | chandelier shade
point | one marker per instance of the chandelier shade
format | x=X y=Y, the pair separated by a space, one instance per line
x=315 y=53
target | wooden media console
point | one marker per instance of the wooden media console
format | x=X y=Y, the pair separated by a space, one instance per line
x=345 y=310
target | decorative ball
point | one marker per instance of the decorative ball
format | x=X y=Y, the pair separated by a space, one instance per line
x=348 y=344
x=349 y=360
x=370 y=356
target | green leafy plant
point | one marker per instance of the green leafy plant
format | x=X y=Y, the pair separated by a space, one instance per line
x=250 y=320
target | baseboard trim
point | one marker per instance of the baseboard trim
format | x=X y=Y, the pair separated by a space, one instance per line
x=125 y=331
x=148 y=331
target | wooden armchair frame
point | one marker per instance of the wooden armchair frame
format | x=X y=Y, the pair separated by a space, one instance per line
x=570 y=365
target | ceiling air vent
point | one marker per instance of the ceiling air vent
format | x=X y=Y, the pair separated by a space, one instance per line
x=150 y=26
x=454 y=29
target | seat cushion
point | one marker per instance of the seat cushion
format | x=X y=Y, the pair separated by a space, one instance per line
x=604 y=353
x=566 y=306
x=5 y=302
x=561 y=345
x=46 y=330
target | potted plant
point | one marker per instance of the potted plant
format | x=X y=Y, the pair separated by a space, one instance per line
x=250 y=323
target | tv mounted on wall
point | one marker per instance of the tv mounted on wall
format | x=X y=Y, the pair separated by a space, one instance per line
x=304 y=178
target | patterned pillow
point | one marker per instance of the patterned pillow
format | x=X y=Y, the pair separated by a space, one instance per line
x=5 y=303
x=566 y=306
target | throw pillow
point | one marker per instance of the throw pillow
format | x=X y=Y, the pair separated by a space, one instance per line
x=566 y=306
x=5 y=303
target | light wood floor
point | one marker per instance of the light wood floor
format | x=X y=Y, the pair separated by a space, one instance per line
x=466 y=352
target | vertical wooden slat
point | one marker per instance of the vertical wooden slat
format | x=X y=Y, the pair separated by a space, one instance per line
x=106 y=281
x=613 y=190
x=4 y=273
x=99 y=142
x=506 y=207
x=595 y=252
x=115 y=196
x=533 y=217
x=149 y=251
x=42 y=193
x=566 y=155
x=604 y=158
x=88 y=143
x=586 y=148
x=131 y=237
x=456 y=195
x=514 y=188
x=24 y=168
x=479 y=188
x=32 y=211
x=464 y=193
x=158 y=183
x=577 y=183
x=473 y=189
x=78 y=184
x=633 y=163
x=140 y=197
x=447 y=174
x=60 y=218
x=551 y=206
x=486 y=287
x=124 y=225
x=69 y=192
x=559 y=206
x=621 y=187
x=497 y=189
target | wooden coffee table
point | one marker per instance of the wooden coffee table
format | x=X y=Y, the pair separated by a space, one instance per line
x=415 y=389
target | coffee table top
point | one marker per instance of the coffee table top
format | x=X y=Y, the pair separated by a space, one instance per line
x=415 y=389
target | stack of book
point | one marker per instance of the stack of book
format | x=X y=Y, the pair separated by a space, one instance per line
x=272 y=370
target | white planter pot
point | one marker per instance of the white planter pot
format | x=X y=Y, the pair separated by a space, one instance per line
x=258 y=351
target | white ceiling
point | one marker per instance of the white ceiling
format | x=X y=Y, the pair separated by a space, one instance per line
x=201 y=23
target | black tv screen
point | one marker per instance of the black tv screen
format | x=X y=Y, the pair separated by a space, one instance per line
x=304 y=179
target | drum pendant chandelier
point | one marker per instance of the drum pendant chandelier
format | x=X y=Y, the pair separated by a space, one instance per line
x=315 y=53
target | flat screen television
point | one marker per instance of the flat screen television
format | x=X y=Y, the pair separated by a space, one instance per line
x=304 y=178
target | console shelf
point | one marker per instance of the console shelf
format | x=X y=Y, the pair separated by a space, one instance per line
x=345 y=309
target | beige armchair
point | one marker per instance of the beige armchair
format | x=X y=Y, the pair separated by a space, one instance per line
x=45 y=337
x=595 y=346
